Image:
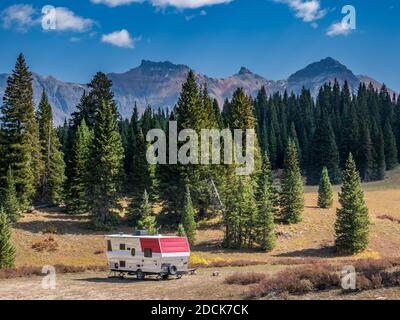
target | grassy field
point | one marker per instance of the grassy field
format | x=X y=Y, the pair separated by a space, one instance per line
x=50 y=237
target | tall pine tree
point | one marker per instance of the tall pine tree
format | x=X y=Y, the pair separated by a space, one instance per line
x=106 y=167
x=325 y=191
x=7 y=250
x=352 y=223
x=52 y=179
x=292 y=194
x=19 y=138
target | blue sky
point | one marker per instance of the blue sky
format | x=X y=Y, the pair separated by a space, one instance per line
x=273 y=38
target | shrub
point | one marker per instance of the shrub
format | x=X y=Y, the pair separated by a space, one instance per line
x=49 y=244
x=27 y=271
x=245 y=278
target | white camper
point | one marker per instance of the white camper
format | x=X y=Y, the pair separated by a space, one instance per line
x=143 y=255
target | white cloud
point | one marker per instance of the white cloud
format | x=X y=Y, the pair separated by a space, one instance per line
x=120 y=39
x=180 y=4
x=19 y=16
x=339 y=29
x=115 y=3
x=307 y=10
x=66 y=20
x=23 y=16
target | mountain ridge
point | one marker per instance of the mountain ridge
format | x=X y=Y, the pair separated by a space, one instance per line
x=158 y=84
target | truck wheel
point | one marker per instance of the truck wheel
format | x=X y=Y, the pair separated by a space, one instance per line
x=165 y=277
x=140 y=275
x=172 y=270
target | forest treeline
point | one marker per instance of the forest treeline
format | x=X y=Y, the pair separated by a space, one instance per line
x=94 y=159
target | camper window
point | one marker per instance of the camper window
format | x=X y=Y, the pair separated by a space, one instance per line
x=148 y=253
x=133 y=252
x=122 y=246
x=122 y=264
x=109 y=247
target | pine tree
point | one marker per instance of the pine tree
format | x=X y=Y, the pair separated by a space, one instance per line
x=7 y=250
x=52 y=179
x=105 y=169
x=352 y=223
x=390 y=147
x=76 y=185
x=265 y=235
x=324 y=152
x=9 y=200
x=19 y=134
x=147 y=220
x=181 y=231
x=292 y=194
x=188 y=218
x=141 y=176
x=325 y=191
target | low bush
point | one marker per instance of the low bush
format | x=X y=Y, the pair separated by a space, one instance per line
x=48 y=244
x=27 y=271
x=370 y=274
x=245 y=278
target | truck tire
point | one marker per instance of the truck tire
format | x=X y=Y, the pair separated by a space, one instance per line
x=172 y=270
x=140 y=274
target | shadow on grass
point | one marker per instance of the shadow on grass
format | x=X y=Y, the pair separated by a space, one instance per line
x=323 y=252
x=122 y=280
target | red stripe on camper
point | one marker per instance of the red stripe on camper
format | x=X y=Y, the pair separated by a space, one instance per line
x=152 y=244
x=174 y=245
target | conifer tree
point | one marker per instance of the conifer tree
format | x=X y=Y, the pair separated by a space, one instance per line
x=141 y=176
x=325 y=191
x=352 y=223
x=390 y=147
x=76 y=185
x=324 y=152
x=105 y=169
x=52 y=179
x=19 y=134
x=7 y=250
x=9 y=200
x=188 y=218
x=265 y=234
x=147 y=220
x=292 y=194
x=181 y=231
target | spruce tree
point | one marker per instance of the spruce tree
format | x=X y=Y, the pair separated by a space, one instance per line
x=188 y=218
x=147 y=219
x=7 y=250
x=141 y=175
x=106 y=167
x=76 y=185
x=52 y=179
x=292 y=193
x=181 y=231
x=324 y=152
x=9 y=200
x=390 y=147
x=19 y=134
x=265 y=234
x=352 y=223
x=325 y=191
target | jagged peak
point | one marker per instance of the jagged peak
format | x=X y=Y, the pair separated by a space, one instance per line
x=244 y=70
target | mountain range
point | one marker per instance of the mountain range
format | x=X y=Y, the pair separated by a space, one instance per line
x=158 y=84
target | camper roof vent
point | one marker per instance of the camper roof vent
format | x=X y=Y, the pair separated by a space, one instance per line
x=140 y=233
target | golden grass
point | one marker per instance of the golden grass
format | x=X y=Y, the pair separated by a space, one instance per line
x=312 y=238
